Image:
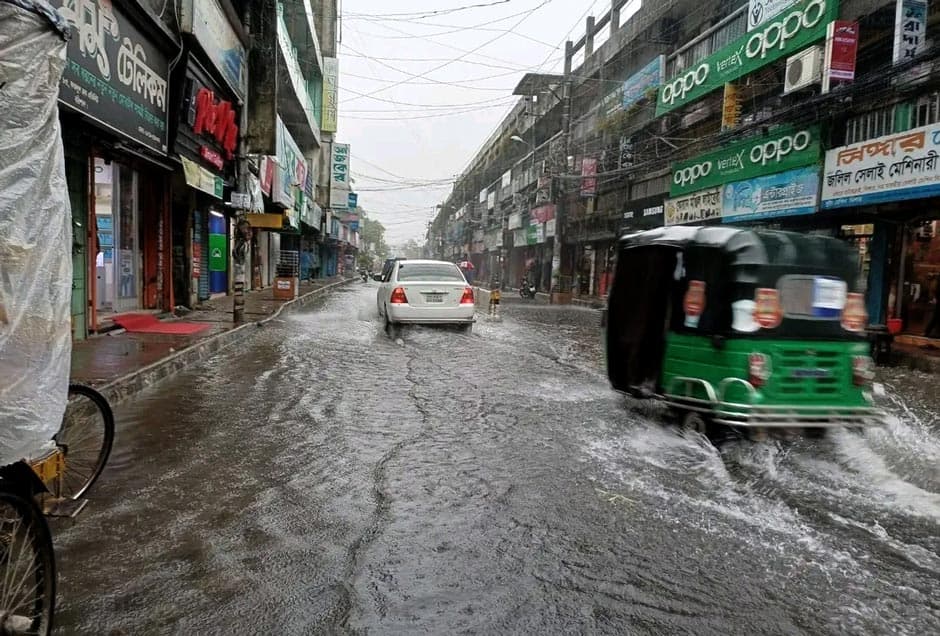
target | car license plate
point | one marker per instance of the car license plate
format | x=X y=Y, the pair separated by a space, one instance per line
x=434 y=298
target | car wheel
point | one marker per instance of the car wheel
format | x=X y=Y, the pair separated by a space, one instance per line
x=695 y=422
x=391 y=329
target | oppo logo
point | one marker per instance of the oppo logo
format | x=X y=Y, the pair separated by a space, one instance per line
x=679 y=87
x=777 y=33
x=775 y=150
x=691 y=174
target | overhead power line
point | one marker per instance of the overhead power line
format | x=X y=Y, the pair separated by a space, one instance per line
x=416 y=15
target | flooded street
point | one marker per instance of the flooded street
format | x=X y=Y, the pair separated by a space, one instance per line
x=320 y=478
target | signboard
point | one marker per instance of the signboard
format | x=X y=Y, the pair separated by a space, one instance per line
x=730 y=107
x=550 y=229
x=890 y=168
x=783 y=194
x=759 y=11
x=515 y=221
x=643 y=81
x=352 y=200
x=783 y=148
x=543 y=213
x=791 y=31
x=588 y=177
x=214 y=118
x=532 y=234
x=114 y=74
x=241 y=200
x=643 y=215
x=612 y=101
x=217 y=249
x=910 y=30
x=292 y=168
x=693 y=208
x=339 y=177
x=841 y=50
x=208 y=23
x=330 y=94
x=201 y=179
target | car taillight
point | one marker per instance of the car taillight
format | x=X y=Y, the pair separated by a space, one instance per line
x=467 y=298
x=398 y=296
x=758 y=369
x=863 y=370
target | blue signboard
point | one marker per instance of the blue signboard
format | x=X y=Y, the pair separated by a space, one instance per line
x=637 y=85
x=352 y=200
x=782 y=194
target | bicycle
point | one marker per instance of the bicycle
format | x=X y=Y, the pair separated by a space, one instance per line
x=52 y=484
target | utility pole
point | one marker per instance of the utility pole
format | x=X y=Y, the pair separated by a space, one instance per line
x=560 y=194
x=242 y=229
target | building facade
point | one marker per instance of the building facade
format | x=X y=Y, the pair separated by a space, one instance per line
x=813 y=116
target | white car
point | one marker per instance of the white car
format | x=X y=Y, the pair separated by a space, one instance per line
x=424 y=292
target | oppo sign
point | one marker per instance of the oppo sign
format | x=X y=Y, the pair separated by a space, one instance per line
x=785 y=148
x=792 y=30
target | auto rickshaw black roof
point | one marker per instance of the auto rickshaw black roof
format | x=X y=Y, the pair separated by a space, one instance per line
x=757 y=256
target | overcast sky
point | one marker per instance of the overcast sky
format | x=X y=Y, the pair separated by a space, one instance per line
x=411 y=136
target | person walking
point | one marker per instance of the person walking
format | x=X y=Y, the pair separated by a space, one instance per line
x=935 y=320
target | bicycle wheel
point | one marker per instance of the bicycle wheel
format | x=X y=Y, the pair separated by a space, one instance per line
x=86 y=437
x=27 y=568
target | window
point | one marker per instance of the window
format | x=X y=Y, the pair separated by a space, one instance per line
x=869 y=125
x=417 y=272
x=926 y=110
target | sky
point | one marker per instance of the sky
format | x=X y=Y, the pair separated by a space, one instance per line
x=423 y=83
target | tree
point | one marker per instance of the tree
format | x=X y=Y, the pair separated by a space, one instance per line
x=372 y=240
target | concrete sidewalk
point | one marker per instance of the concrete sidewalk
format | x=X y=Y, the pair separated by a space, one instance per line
x=120 y=363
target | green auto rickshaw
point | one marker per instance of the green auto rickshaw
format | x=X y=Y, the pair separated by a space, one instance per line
x=748 y=329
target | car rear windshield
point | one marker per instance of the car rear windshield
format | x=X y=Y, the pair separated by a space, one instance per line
x=417 y=272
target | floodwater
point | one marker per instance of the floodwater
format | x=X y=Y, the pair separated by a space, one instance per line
x=323 y=478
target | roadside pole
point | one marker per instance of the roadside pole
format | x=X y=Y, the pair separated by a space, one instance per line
x=242 y=229
x=560 y=193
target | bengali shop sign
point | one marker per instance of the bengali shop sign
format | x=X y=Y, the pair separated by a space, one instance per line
x=890 y=168
x=697 y=207
x=115 y=75
x=784 y=194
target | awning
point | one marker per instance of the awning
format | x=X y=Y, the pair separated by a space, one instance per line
x=201 y=179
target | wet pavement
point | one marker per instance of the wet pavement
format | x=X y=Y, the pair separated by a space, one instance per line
x=322 y=478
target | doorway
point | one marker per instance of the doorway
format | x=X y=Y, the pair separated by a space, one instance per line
x=117 y=262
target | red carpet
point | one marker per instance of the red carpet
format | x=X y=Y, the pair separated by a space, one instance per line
x=148 y=323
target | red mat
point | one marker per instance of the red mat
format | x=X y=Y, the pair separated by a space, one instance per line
x=148 y=323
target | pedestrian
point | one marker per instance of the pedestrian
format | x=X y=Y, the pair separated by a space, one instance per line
x=466 y=266
x=306 y=264
x=935 y=320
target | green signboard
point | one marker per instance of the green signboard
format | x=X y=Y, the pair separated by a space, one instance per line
x=217 y=260
x=783 y=148
x=531 y=235
x=787 y=33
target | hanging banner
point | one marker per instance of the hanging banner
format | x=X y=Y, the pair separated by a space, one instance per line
x=784 y=194
x=791 y=31
x=543 y=213
x=890 y=168
x=694 y=208
x=841 y=50
x=330 y=94
x=910 y=30
x=291 y=170
x=201 y=179
x=783 y=148
x=588 y=177
x=115 y=75
x=339 y=177
x=730 y=108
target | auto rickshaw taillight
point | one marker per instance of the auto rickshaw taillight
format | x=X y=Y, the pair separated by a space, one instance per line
x=758 y=369
x=863 y=370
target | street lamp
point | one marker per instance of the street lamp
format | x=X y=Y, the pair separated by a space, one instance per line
x=520 y=140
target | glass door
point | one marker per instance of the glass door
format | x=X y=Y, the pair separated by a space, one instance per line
x=127 y=248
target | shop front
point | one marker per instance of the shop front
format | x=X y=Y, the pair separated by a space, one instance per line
x=893 y=184
x=114 y=96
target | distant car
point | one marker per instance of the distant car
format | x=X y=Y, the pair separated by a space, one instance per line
x=425 y=292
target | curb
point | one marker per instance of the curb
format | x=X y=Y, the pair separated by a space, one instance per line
x=121 y=388
x=928 y=364
x=541 y=298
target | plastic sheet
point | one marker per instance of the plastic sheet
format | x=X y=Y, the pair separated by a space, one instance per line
x=35 y=232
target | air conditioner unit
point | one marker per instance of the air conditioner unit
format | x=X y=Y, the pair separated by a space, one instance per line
x=803 y=69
